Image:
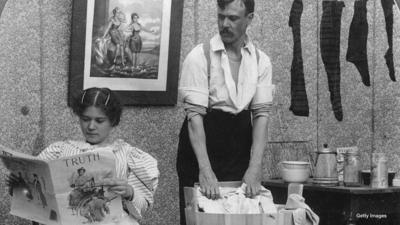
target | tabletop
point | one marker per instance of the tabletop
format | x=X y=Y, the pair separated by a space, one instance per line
x=309 y=185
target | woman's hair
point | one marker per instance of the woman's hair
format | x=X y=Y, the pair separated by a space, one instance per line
x=249 y=4
x=102 y=98
x=133 y=15
x=115 y=10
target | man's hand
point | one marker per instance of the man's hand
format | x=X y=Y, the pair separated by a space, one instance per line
x=252 y=178
x=209 y=183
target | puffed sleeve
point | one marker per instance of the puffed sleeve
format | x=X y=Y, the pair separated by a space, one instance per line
x=193 y=81
x=53 y=151
x=143 y=177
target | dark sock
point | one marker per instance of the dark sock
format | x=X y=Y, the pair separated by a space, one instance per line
x=299 y=101
x=387 y=6
x=358 y=37
x=2 y=4
x=330 y=51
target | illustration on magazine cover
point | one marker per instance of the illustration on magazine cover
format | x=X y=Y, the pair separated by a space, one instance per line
x=87 y=198
x=68 y=190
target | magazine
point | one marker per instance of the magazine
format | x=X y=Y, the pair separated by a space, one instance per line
x=67 y=190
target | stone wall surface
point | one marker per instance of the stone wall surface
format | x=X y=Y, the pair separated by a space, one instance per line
x=34 y=62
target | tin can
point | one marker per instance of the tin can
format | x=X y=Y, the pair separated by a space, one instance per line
x=379 y=171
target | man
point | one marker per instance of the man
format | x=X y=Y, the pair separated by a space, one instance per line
x=81 y=184
x=227 y=98
x=81 y=180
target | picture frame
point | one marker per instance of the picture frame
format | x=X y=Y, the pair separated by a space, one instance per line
x=129 y=46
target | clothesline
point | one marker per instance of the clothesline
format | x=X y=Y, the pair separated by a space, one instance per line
x=396 y=2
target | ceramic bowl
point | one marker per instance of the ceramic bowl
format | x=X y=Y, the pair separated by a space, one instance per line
x=295 y=171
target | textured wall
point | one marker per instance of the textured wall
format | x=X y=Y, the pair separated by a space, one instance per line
x=34 y=59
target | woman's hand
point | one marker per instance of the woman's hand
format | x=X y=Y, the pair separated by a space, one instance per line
x=209 y=184
x=120 y=187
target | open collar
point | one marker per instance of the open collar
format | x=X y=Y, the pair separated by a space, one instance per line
x=216 y=44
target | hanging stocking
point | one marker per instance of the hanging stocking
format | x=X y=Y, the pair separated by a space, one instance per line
x=387 y=6
x=330 y=51
x=357 y=44
x=299 y=102
x=2 y=4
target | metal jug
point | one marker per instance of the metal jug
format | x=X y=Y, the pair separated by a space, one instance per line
x=325 y=167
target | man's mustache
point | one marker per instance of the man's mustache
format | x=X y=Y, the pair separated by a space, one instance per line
x=225 y=31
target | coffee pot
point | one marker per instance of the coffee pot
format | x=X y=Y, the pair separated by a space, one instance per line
x=325 y=172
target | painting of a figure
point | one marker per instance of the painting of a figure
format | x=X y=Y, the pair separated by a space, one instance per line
x=126 y=38
x=129 y=46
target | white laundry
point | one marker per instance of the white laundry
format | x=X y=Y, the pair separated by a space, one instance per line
x=302 y=213
x=234 y=201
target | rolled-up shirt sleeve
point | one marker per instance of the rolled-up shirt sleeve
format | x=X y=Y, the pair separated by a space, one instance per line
x=265 y=89
x=194 y=110
x=261 y=110
x=193 y=82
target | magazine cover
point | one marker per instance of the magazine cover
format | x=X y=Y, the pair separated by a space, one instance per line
x=68 y=190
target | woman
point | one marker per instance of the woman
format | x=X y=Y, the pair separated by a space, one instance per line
x=117 y=38
x=135 y=40
x=99 y=111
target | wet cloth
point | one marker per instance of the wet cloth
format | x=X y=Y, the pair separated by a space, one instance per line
x=387 y=6
x=302 y=213
x=299 y=102
x=234 y=201
x=330 y=51
x=357 y=43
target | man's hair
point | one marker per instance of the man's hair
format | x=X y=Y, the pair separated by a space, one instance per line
x=249 y=4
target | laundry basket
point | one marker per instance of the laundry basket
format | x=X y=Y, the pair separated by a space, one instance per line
x=194 y=217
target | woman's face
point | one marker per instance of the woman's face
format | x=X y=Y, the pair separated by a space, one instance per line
x=95 y=125
x=135 y=18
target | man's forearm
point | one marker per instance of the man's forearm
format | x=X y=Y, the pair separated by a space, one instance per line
x=260 y=132
x=198 y=140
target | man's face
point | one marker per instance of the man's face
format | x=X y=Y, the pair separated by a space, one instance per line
x=233 y=21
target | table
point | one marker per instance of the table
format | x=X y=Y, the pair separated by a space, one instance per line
x=341 y=205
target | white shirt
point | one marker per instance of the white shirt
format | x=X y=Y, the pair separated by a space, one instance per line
x=254 y=85
x=137 y=167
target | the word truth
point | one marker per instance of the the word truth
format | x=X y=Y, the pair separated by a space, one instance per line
x=84 y=159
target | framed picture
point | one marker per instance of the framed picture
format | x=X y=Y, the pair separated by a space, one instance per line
x=129 y=46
